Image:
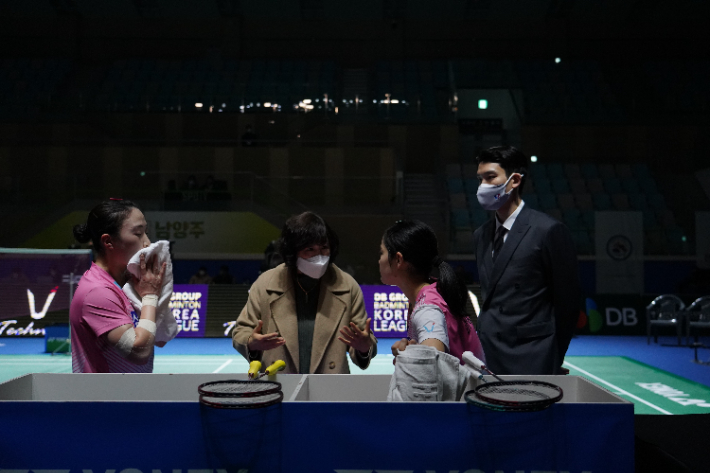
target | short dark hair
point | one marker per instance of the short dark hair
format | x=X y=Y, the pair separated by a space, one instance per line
x=105 y=218
x=303 y=230
x=510 y=159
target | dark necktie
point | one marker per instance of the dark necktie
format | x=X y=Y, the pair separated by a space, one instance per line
x=498 y=241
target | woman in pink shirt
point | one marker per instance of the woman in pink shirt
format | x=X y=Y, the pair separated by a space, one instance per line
x=409 y=259
x=106 y=334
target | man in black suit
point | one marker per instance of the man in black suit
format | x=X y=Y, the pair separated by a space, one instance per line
x=528 y=269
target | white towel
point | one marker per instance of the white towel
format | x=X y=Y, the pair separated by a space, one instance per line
x=166 y=326
x=423 y=373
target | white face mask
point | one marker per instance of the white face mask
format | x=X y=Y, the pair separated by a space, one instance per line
x=491 y=196
x=314 y=267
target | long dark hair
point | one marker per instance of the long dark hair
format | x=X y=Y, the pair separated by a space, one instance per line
x=417 y=243
x=105 y=218
x=301 y=231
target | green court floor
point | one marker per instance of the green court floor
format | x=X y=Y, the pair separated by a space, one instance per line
x=652 y=391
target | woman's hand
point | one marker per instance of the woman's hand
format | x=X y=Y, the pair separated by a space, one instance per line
x=356 y=338
x=262 y=342
x=151 y=280
x=400 y=346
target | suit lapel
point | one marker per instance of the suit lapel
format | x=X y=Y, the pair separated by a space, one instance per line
x=484 y=253
x=331 y=308
x=515 y=236
x=283 y=313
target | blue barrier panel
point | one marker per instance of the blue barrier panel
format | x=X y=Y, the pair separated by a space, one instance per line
x=133 y=437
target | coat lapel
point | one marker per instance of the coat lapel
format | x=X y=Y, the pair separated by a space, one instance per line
x=331 y=308
x=283 y=313
x=515 y=236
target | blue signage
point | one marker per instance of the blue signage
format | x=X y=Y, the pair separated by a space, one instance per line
x=388 y=307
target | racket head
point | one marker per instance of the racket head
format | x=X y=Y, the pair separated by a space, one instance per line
x=471 y=398
x=252 y=402
x=522 y=394
x=238 y=388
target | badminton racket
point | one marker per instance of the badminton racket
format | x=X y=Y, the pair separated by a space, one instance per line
x=236 y=388
x=519 y=395
x=254 y=402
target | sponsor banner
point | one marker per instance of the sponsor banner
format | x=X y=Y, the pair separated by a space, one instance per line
x=188 y=305
x=614 y=315
x=619 y=251
x=387 y=306
x=573 y=438
x=211 y=232
x=35 y=288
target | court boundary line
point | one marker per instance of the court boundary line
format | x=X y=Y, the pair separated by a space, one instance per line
x=623 y=391
x=224 y=365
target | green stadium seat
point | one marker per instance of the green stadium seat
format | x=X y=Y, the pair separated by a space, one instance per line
x=638 y=201
x=620 y=202
x=457 y=200
x=455 y=185
x=641 y=171
x=460 y=219
x=566 y=201
x=601 y=201
x=630 y=185
x=612 y=185
x=606 y=171
x=547 y=201
x=589 y=171
x=560 y=185
x=531 y=200
x=542 y=186
x=595 y=185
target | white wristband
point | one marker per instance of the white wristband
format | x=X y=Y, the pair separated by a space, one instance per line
x=148 y=325
x=150 y=299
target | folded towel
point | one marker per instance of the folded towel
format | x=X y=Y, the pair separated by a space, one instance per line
x=166 y=326
x=423 y=373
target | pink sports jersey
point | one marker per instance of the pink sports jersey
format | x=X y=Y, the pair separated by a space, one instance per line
x=462 y=333
x=99 y=306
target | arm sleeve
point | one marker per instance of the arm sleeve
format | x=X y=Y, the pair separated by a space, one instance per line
x=246 y=322
x=104 y=310
x=430 y=322
x=359 y=318
x=564 y=284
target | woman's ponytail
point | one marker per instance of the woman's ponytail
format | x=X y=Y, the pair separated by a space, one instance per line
x=452 y=289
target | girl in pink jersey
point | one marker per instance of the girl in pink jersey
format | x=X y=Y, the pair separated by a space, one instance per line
x=437 y=305
x=106 y=334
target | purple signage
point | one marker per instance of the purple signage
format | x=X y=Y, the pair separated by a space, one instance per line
x=387 y=306
x=189 y=307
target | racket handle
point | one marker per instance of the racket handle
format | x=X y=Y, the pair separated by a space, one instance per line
x=473 y=362
x=278 y=365
x=254 y=368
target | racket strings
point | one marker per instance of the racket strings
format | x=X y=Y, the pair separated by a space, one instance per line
x=518 y=393
x=239 y=394
x=256 y=401
x=238 y=388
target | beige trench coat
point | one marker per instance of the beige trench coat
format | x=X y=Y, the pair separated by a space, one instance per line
x=272 y=300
